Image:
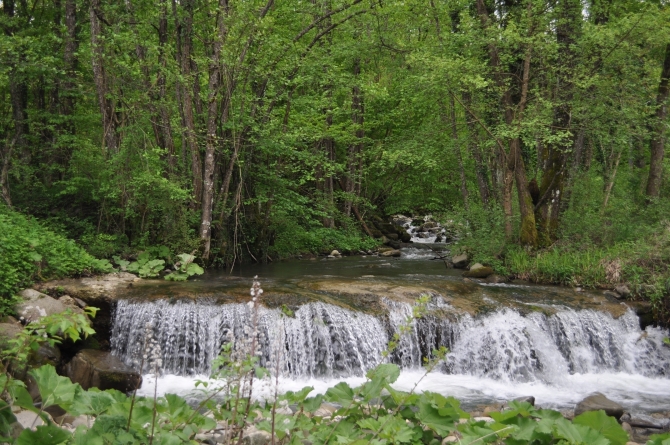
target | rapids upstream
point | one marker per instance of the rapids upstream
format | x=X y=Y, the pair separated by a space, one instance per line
x=505 y=341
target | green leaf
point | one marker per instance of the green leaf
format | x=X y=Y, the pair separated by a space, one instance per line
x=43 y=435
x=341 y=393
x=659 y=439
x=437 y=413
x=194 y=269
x=604 y=424
x=54 y=389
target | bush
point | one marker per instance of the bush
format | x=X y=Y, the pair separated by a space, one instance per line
x=30 y=252
x=292 y=239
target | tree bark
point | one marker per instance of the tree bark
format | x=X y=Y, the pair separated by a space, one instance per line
x=355 y=149
x=105 y=102
x=211 y=139
x=459 y=156
x=657 y=144
x=476 y=153
x=555 y=168
x=165 y=125
x=186 y=38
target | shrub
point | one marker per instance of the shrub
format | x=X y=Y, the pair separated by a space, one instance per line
x=30 y=252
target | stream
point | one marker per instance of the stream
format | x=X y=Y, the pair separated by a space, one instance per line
x=329 y=320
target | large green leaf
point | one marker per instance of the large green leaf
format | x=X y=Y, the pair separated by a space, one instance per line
x=43 y=435
x=341 y=393
x=54 y=389
x=437 y=413
x=604 y=424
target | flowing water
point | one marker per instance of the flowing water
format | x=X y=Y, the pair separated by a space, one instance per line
x=328 y=321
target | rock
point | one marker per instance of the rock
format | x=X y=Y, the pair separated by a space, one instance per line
x=70 y=303
x=391 y=253
x=449 y=439
x=392 y=236
x=393 y=244
x=428 y=225
x=82 y=420
x=645 y=421
x=325 y=410
x=478 y=271
x=483 y=419
x=610 y=294
x=622 y=290
x=254 y=436
x=9 y=331
x=15 y=430
x=627 y=428
x=100 y=369
x=529 y=399
x=285 y=410
x=405 y=237
x=598 y=401
x=438 y=239
x=28 y=419
x=460 y=261
x=495 y=279
x=335 y=254
x=37 y=305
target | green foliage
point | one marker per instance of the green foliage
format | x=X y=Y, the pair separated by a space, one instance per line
x=293 y=239
x=31 y=252
x=185 y=268
x=151 y=262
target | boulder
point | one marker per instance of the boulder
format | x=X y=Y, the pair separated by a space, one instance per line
x=37 y=305
x=100 y=369
x=28 y=419
x=460 y=261
x=598 y=401
x=495 y=279
x=529 y=399
x=254 y=436
x=71 y=303
x=391 y=253
x=610 y=294
x=478 y=271
x=392 y=236
x=405 y=237
x=335 y=254
x=622 y=290
x=645 y=421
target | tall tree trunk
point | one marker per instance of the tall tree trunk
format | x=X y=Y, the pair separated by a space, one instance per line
x=476 y=153
x=106 y=103
x=18 y=94
x=67 y=101
x=165 y=125
x=186 y=106
x=555 y=168
x=354 y=151
x=459 y=156
x=211 y=140
x=657 y=144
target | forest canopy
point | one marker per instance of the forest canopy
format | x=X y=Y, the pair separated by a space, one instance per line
x=254 y=129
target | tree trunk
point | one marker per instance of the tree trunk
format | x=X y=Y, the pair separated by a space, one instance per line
x=657 y=144
x=476 y=153
x=106 y=103
x=354 y=152
x=165 y=125
x=459 y=156
x=211 y=140
x=186 y=108
x=555 y=169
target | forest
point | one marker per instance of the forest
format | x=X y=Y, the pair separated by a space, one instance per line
x=257 y=130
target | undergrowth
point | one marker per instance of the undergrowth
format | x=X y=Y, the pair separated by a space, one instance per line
x=30 y=252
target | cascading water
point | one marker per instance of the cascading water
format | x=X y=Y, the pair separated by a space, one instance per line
x=323 y=340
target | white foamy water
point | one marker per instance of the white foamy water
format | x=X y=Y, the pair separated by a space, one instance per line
x=498 y=356
x=634 y=392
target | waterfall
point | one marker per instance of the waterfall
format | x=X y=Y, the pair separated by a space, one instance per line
x=323 y=340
